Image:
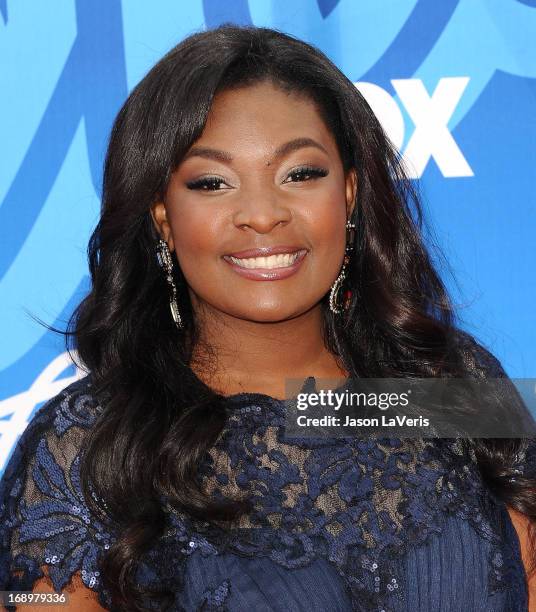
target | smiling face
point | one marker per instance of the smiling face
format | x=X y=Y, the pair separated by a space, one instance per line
x=266 y=172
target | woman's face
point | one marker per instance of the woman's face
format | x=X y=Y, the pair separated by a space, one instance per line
x=265 y=173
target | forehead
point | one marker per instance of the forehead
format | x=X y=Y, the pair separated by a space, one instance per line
x=264 y=111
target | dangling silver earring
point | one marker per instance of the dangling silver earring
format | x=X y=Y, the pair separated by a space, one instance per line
x=334 y=304
x=163 y=256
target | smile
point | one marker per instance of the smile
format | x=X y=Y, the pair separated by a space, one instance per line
x=271 y=267
x=273 y=261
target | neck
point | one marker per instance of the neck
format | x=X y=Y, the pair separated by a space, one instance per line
x=250 y=356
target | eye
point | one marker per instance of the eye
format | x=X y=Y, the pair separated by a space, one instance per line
x=306 y=173
x=208 y=183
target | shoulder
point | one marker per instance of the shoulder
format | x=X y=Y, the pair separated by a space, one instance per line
x=75 y=406
x=61 y=421
x=46 y=527
x=500 y=396
x=479 y=359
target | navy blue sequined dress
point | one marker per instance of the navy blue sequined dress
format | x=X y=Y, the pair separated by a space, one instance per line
x=339 y=524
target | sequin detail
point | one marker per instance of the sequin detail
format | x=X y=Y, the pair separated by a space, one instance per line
x=360 y=504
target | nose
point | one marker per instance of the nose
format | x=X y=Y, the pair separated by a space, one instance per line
x=261 y=211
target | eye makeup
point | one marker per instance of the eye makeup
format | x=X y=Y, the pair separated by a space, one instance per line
x=301 y=174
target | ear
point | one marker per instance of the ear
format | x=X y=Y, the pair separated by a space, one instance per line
x=159 y=216
x=351 y=191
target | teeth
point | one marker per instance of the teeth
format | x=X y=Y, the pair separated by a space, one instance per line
x=273 y=261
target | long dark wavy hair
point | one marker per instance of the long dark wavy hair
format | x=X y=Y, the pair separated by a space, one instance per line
x=160 y=419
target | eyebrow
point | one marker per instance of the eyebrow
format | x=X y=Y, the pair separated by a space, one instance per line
x=281 y=151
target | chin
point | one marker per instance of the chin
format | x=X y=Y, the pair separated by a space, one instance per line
x=272 y=315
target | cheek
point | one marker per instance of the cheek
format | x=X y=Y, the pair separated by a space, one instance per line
x=327 y=229
x=196 y=235
x=326 y=217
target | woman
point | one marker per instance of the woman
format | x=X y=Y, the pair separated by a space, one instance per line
x=163 y=479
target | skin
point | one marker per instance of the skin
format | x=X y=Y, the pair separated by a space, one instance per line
x=265 y=330
x=268 y=330
x=262 y=331
x=522 y=525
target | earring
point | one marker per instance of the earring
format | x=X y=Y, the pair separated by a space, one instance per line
x=163 y=256
x=334 y=306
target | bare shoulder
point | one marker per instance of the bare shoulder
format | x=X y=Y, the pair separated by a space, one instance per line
x=523 y=529
x=81 y=598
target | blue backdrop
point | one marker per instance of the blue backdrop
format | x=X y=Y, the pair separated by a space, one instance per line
x=452 y=83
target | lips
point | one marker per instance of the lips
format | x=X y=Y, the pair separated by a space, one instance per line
x=261 y=270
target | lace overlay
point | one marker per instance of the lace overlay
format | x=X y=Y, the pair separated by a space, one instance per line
x=359 y=504
x=44 y=519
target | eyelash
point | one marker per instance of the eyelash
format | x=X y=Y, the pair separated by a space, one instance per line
x=204 y=184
